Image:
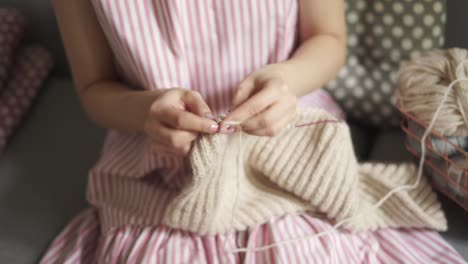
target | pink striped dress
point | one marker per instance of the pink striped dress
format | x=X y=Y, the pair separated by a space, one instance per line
x=208 y=46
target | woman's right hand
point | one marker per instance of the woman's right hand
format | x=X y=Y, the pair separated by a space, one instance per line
x=175 y=120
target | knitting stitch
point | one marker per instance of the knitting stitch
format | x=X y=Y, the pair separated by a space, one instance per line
x=307 y=168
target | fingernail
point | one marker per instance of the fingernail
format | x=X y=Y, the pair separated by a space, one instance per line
x=210 y=116
x=228 y=129
x=214 y=128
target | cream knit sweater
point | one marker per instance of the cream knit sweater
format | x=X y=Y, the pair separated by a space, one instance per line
x=309 y=168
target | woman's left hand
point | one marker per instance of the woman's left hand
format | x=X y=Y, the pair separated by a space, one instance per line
x=264 y=103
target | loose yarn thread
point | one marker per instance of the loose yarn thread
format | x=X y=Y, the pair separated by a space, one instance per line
x=376 y=205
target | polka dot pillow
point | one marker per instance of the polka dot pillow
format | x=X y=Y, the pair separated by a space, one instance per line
x=381 y=35
x=31 y=67
x=12 y=29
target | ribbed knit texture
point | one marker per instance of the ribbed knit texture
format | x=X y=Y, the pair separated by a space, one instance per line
x=307 y=168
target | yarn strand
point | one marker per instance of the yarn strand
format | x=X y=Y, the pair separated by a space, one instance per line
x=236 y=195
x=376 y=205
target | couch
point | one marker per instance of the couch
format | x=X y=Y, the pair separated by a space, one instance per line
x=43 y=172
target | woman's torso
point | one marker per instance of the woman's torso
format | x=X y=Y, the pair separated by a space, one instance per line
x=208 y=46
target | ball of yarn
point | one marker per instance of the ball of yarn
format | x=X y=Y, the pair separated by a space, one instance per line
x=423 y=82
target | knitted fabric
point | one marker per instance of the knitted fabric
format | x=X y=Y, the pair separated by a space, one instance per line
x=308 y=168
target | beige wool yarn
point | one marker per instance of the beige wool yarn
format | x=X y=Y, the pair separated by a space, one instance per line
x=304 y=169
x=423 y=82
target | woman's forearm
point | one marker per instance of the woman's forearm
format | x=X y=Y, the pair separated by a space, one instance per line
x=113 y=105
x=109 y=103
x=316 y=61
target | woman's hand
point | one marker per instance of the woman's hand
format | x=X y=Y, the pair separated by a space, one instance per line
x=263 y=102
x=176 y=118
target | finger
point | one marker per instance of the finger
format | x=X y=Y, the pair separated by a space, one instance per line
x=194 y=103
x=242 y=92
x=273 y=130
x=268 y=117
x=183 y=120
x=267 y=96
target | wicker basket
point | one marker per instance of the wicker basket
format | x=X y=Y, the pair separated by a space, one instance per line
x=448 y=174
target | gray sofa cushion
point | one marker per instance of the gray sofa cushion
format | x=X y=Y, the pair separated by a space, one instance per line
x=457 y=21
x=44 y=173
x=388 y=146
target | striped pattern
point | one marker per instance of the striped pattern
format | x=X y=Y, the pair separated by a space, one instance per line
x=80 y=243
x=208 y=46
